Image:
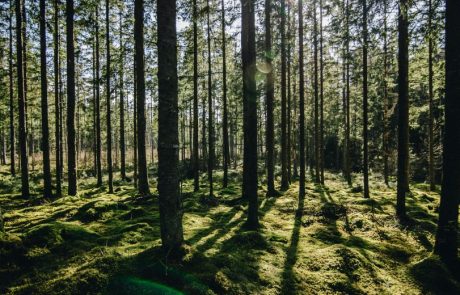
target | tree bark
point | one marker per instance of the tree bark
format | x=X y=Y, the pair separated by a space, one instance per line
x=365 y=106
x=98 y=107
x=108 y=97
x=210 y=113
x=47 y=193
x=248 y=51
x=284 y=174
x=10 y=66
x=196 y=160
x=168 y=142
x=122 y=104
x=430 y=94
x=446 y=236
x=21 y=100
x=301 y=109
x=269 y=96
x=71 y=144
x=226 y=152
x=143 y=184
x=403 y=110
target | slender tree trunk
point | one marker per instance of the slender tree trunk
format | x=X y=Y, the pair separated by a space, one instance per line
x=21 y=100
x=210 y=113
x=109 y=100
x=10 y=65
x=226 y=152
x=269 y=94
x=143 y=185
x=135 y=173
x=321 y=94
x=248 y=51
x=316 y=111
x=365 y=107
x=403 y=110
x=289 y=98
x=98 y=106
x=301 y=109
x=347 y=101
x=430 y=93
x=71 y=144
x=446 y=237
x=196 y=160
x=47 y=193
x=168 y=158
x=57 y=100
x=385 y=94
x=122 y=103
x=284 y=174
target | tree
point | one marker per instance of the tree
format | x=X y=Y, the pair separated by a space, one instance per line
x=10 y=67
x=98 y=104
x=71 y=143
x=196 y=162
x=321 y=94
x=301 y=110
x=122 y=103
x=316 y=107
x=225 y=146
x=284 y=151
x=446 y=236
x=248 y=52
x=403 y=110
x=143 y=184
x=21 y=100
x=269 y=96
x=430 y=94
x=168 y=156
x=109 y=100
x=365 y=105
x=210 y=113
x=385 y=94
x=57 y=101
x=47 y=193
x=347 y=95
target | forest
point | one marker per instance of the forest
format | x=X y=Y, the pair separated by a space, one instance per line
x=229 y=146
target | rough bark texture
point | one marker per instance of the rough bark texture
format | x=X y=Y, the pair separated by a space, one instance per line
x=122 y=104
x=47 y=193
x=365 y=106
x=301 y=110
x=248 y=52
x=57 y=106
x=403 y=110
x=98 y=108
x=385 y=95
x=430 y=94
x=210 y=106
x=284 y=151
x=226 y=153
x=446 y=236
x=143 y=184
x=168 y=142
x=269 y=96
x=10 y=65
x=21 y=102
x=316 y=108
x=108 y=98
x=196 y=161
x=71 y=143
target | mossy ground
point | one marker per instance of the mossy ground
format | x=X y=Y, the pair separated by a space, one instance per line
x=110 y=243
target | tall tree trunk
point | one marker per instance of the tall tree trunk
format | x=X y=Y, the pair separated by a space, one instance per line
x=403 y=110
x=10 y=65
x=109 y=100
x=122 y=104
x=57 y=99
x=248 y=51
x=446 y=236
x=430 y=94
x=196 y=160
x=301 y=109
x=289 y=98
x=226 y=152
x=269 y=94
x=143 y=183
x=321 y=94
x=385 y=94
x=347 y=98
x=316 y=111
x=47 y=193
x=284 y=152
x=210 y=113
x=365 y=112
x=21 y=100
x=98 y=106
x=71 y=144
x=168 y=158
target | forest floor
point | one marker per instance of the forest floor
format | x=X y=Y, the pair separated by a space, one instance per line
x=109 y=243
